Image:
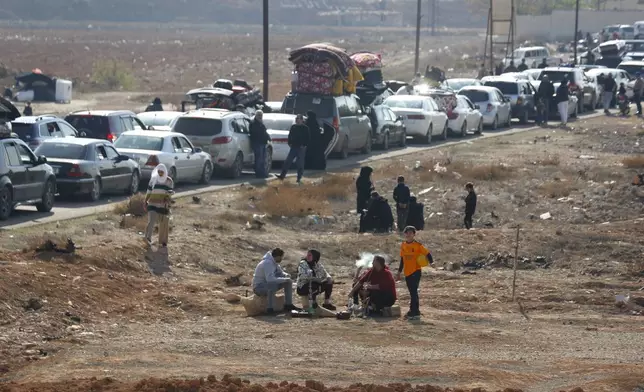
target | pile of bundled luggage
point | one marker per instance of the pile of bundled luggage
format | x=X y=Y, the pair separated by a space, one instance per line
x=242 y=93
x=370 y=65
x=323 y=69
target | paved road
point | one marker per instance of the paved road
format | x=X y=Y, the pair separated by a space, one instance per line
x=25 y=216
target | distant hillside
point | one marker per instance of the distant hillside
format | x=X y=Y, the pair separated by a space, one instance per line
x=300 y=12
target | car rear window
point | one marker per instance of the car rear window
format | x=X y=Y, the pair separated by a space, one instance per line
x=557 y=76
x=507 y=88
x=61 y=150
x=628 y=29
x=152 y=119
x=91 y=126
x=475 y=95
x=323 y=107
x=191 y=126
x=139 y=142
x=393 y=102
x=278 y=124
x=24 y=131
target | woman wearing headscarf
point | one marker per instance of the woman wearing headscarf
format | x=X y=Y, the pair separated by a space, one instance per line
x=315 y=158
x=157 y=201
x=364 y=187
x=313 y=280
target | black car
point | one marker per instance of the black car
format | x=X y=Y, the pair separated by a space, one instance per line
x=388 y=128
x=34 y=129
x=90 y=167
x=24 y=178
x=104 y=124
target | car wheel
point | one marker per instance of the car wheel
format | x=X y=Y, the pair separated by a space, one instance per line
x=495 y=124
x=173 y=175
x=428 y=137
x=95 y=193
x=344 y=153
x=135 y=181
x=206 y=173
x=6 y=203
x=385 y=141
x=403 y=139
x=463 y=129
x=367 y=146
x=47 y=200
x=236 y=169
x=444 y=134
x=479 y=129
x=268 y=163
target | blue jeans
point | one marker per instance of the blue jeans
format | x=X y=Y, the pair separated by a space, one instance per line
x=298 y=153
x=260 y=160
x=268 y=290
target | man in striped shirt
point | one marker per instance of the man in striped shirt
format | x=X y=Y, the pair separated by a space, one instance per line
x=157 y=201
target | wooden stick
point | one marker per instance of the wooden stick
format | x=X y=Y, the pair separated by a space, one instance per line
x=516 y=262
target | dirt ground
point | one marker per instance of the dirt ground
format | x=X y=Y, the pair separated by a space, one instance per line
x=114 y=314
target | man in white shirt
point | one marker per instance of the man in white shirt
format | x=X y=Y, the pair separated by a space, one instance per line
x=269 y=278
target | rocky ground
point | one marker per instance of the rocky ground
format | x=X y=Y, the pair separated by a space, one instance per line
x=117 y=312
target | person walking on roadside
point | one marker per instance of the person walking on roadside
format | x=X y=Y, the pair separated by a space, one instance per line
x=28 y=111
x=545 y=94
x=259 y=139
x=315 y=152
x=609 y=88
x=158 y=200
x=401 y=197
x=298 y=139
x=638 y=89
x=413 y=256
x=470 y=205
x=562 y=97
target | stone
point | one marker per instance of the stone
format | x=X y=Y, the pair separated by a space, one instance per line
x=255 y=305
x=453 y=266
x=393 y=311
x=33 y=304
x=232 y=298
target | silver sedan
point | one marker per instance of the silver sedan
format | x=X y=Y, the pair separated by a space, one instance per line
x=149 y=148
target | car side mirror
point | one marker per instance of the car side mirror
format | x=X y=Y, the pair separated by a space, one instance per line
x=122 y=158
x=41 y=160
x=198 y=150
x=477 y=107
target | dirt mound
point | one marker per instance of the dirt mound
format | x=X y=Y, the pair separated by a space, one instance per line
x=227 y=384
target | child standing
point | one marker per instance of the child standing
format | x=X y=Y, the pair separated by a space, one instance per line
x=470 y=205
x=412 y=258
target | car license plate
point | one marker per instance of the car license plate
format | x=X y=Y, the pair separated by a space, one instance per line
x=56 y=169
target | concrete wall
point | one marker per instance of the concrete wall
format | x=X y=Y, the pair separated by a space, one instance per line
x=561 y=24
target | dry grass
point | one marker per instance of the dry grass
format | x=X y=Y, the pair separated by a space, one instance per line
x=135 y=206
x=306 y=199
x=138 y=223
x=557 y=189
x=550 y=160
x=40 y=241
x=634 y=162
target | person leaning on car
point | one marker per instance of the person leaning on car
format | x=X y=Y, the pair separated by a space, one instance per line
x=259 y=139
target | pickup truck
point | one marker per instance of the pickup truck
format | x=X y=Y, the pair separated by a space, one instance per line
x=533 y=56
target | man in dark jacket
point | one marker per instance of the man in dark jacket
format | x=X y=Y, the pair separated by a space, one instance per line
x=470 y=205
x=416 y=215
x=510 y=68
x=609 y=91
x=401 y=197
x=259 y=138
x=155 y=106
x=28 y=111
x=523 y=66
x=545 y=93
x=543 y=64
x=298 y=139
x=562 y=96
x=378 y=217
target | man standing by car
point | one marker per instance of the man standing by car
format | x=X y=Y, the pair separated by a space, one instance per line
x=638 y=88
x=544 y=63
x=545 y=94
x=523 y=66
x=259 y=138
x=510 y=68
x=298 y=139
x=28 y=111
x=609 y=89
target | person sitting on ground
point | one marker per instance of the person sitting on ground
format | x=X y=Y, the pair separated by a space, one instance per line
x=378 y=217
x=416 y=215
x=269 y=278
x=312 y=280
x=155 y=106
x=376 y=287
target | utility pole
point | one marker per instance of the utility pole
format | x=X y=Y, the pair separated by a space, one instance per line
x=266 y=59
x=575 y=35
x=417 y=57
x=434 y=10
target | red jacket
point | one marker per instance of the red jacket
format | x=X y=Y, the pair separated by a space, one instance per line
x=384 y=279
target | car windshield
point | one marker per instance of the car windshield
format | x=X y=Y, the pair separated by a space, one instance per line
x=139 y=142
x=192 y=126
x=457 y=84
x=507 y=88
x=632 y=69
x=61 y=150
x=557 y=76
x=394 y=102
x=24 y=131
x=628 y=29
x=278 y=124
x=476 y=95
x=613 y=29
x=156 y=119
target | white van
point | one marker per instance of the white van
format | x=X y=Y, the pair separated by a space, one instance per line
x=533 y=56
x=639 y=29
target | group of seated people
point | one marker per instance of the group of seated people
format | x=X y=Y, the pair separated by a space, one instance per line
x=378 y=218
x=375 y=288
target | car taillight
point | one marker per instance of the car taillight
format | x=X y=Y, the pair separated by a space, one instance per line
x=490 y=107
x=75 y=171
x=153 y=160
x=452 y=115
x=336 y=124
x=283 y=140
x=110 y=136
x=34 y=143
x=222 y=140
x=416 y=117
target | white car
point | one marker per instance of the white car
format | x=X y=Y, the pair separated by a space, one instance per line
x=458 y=83
x=496 y=109
x=224 y=135
x=159 y=121
x=465 y=117
x=619 y=75
x=421 y=116
x=184 y=161
x=278 y=126
x=524 y=75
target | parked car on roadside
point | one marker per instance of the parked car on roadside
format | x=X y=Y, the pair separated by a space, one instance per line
x=626 y=32
x=33 y=130
x=388 y=127
x=344 y=113
x=90 y=167
x=533 y=56
x=278 y=126
x=456 y=84
x=520 y=93
x=104 y=124
x=632 y=67
x=494 y=107
x=421 y=115
x=577 y=82
x=185 y=162
x=466 y=117
x=620 y=76
x=158 y=121
x=25 y=178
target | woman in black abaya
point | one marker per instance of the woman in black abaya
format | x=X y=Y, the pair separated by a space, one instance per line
x=315 y=158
